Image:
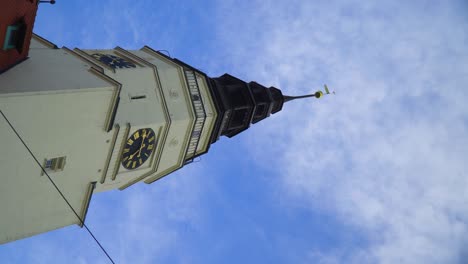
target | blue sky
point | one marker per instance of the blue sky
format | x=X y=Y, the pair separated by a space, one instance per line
x=375 y=174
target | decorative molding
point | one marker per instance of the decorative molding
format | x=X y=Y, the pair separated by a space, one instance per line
x=112 y=111
x=91 y=58
x=186 y=93
x=109 y=155
x=84 y=208
x=44 y=41
x=79 y=54
x=139 y=61
x=119 y=154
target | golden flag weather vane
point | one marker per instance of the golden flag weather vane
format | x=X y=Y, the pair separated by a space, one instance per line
x=320 y=94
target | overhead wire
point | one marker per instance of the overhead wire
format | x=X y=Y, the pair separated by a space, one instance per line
x=58 y=189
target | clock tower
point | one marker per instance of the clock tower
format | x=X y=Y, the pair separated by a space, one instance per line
x=81 y=122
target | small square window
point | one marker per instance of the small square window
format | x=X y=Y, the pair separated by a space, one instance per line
x=54 y=164
x=14 y=38
x=48 y=164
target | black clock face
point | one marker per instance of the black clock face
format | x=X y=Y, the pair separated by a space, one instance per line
x=138 y=148
x=113 y=61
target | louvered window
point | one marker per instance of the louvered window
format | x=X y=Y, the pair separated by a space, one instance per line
x=54 y=164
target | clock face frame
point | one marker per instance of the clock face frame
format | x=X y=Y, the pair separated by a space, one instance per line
x=138 y=148
x=113 y=61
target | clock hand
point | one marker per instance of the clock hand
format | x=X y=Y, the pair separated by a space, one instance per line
x=139 y=151
x=142 y=142
x=145 y=135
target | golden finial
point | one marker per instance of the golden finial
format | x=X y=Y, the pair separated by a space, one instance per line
x=318 y=94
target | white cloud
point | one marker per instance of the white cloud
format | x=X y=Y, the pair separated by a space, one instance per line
x=388 y=152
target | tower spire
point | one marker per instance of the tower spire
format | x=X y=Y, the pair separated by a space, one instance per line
x=240 y=104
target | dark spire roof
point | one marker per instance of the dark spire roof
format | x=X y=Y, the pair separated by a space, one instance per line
x=241 y=104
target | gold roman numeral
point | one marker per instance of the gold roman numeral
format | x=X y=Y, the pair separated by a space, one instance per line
x=130 y=141
x=150 y=147
x=125 y=159
x=140 y=162
x=128 y=164
x=134 y=165
x=136 y=135
x=151 y=139
x=126 y=150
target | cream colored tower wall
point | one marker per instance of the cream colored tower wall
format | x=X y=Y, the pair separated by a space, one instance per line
x=38 y=43
x=140 y=113
x=61 y=108
x=62 y=101
x=53 y=124
x=134 y=114
x=51 y=69
x=167 y=91
x=180 y=110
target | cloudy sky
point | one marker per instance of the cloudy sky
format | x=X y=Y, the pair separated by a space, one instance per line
x=375 y=174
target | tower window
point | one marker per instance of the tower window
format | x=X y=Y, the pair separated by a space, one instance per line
x=54 y=164
x=239 y=119
x=14 y=38
x=260 y=110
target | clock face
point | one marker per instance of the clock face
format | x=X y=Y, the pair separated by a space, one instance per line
x=113 y=61
x=138 y=148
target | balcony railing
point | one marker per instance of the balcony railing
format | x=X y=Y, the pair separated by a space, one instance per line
x=200 y=115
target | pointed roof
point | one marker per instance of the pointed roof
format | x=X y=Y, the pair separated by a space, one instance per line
x=241 y=104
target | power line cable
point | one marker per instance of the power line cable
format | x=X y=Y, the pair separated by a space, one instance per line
x=57 y=188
